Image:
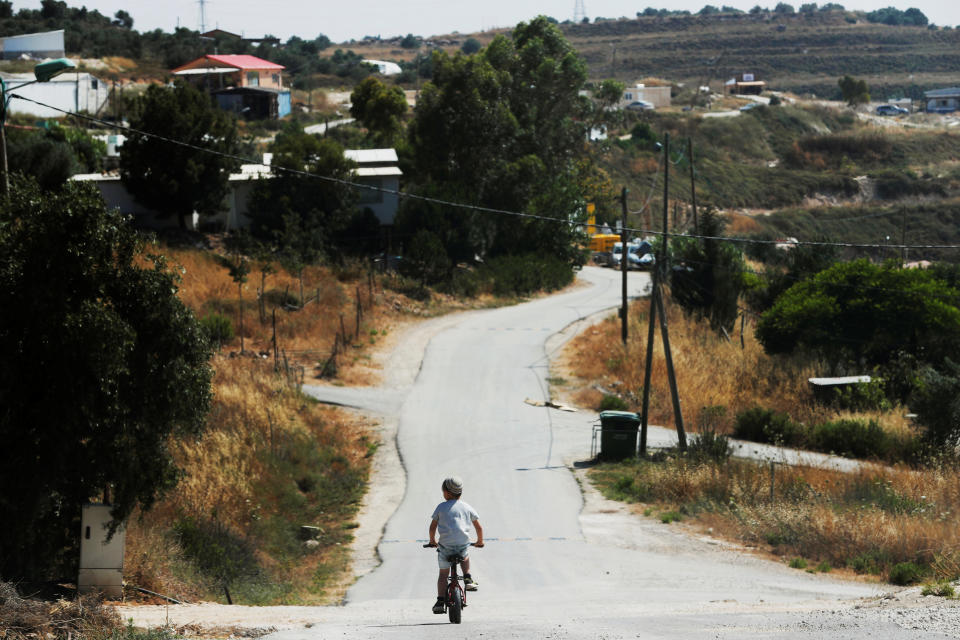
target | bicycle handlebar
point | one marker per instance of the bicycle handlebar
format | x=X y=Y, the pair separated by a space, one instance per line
x=472 y=544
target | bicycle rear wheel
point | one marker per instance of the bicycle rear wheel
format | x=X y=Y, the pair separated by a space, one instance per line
x=455 y=605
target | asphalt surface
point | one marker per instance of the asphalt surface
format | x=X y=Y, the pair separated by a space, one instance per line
x=561 y=562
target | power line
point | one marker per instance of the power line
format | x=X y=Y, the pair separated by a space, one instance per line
x=469 y=207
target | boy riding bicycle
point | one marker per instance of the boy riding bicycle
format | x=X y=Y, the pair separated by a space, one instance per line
x=452 y=519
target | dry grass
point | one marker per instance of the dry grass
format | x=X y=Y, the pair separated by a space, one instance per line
x=84 y=618
x=711 y=370
x=270 y=460
x=868 y=521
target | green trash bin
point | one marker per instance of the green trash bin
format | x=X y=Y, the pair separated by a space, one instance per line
x=618 y=434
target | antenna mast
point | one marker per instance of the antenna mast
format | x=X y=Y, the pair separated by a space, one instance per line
x=579 y=11
x=203 y=16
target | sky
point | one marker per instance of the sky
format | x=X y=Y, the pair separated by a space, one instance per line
x=352 y=20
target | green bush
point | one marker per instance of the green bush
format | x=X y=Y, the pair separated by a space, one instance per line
x=871 y=562
x=217 y=328
x=905 y=573
x=522 y=275
x=709 y=446
x=612 y=403
x=865 y=396
x=767 y=426
x=798 y=563
x=851 y=438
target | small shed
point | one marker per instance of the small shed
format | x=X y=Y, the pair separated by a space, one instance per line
x=825 y=389
x=745 y=84
x=943 y=100
x=77 y=92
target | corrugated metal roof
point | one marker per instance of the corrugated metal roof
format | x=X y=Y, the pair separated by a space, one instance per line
x=370 y=156
x=371 y=172
x=952 y=92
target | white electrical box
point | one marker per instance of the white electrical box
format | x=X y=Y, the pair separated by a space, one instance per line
x=101 y=561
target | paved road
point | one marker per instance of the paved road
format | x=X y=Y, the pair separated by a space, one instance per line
x=555 y=567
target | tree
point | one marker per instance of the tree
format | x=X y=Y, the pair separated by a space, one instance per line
x=102 y=365
x=410 y=41
x=471 y=46
x=857 y=314
x=379 y=108
x=171 y=178
x=297 y=211
x=783 y=8
x=708 y=278
x=123 y=19
x=854 y=91
x=522 y=95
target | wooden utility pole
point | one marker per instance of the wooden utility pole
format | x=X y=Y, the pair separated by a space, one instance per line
x=624 y=260
x=657 y=309
x=693 y=188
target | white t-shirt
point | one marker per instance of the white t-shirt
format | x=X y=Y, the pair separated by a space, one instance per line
x=454 y=520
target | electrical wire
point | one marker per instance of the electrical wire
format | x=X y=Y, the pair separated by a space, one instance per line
x=469 y=207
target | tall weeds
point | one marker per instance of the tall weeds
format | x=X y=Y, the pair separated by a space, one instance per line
x=868 y=521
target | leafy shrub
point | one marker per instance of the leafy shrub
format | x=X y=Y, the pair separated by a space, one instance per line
x=525 y=274
x=217 y=328
x=891 y=184
x=865 y=396
x=709 y=446
x=611 y=402
x=798 y=563
x=905 y=573
x=870 y=562
x=941 y=589
x=824 y=567
x=767 y=426
x=851 y=438
x=937 y=403
x=670 y=516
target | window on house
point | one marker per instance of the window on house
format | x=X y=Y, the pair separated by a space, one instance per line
x=94 y=84
x=276 y=79
x=253 y=78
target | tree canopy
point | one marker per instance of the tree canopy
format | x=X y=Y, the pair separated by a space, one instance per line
x=379 y=108
x=522 y=94
x=297 y=212
x=861 y=314
x=102 y=364
x=854 y=91
x=175 y=179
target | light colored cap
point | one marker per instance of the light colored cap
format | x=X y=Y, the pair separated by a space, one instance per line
x=454 y=485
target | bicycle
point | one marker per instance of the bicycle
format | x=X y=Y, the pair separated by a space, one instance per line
x=456 y=594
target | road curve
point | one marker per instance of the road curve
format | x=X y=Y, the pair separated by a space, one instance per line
x=553 y=567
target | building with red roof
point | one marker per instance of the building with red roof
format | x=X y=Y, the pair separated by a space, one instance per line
x=250 y=86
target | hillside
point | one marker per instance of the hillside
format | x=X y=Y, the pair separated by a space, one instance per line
x=799 y=52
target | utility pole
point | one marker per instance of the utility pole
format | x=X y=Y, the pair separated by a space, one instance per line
x=693 y=188
x=624 y=260
x=657 y=309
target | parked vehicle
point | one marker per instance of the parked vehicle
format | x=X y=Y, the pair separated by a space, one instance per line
x=640 y=105
x=640 y=255
x=752 y=105
x=891 y=110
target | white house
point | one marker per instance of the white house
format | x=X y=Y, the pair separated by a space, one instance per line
x=657 y=96
x=74 y=92
x=377 y=169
